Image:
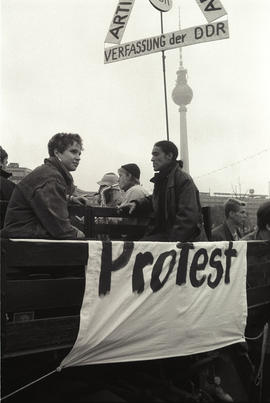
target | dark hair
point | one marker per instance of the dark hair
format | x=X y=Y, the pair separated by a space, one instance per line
x=61 y=141
x=168 y=147
x=3 y=155
x=263 y=215
x=232 y=205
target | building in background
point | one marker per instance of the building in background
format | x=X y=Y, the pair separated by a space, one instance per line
x=18 y=173
x=216 y=202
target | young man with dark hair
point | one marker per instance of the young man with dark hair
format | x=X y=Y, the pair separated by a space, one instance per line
x=262 y=232
x=38 y=207
x=175 y=200
x=230 y=229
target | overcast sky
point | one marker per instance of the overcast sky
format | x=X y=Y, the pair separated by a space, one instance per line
x=54 y=80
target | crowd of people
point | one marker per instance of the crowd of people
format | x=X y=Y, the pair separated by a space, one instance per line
x=38 y=204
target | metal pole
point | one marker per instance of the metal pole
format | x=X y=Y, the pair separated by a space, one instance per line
x=164 y=80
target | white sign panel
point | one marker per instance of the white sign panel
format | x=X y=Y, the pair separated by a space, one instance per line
x=212 y=9
x=184 y=37
x=162 y=5
x=119 y=21
x=151 y=300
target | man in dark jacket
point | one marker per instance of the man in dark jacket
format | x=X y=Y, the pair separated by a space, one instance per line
x=263 y=224
x=6 y=186
x=175 y=202
x=235 y=215
x=38 y=207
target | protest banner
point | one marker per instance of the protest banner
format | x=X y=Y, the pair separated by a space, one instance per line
x=212 y=9
x=184 y=37
x=151 y=300
x=119 y=21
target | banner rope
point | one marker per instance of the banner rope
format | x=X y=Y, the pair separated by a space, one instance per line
x=259 y=377
x=256 y=337
x=58 y=369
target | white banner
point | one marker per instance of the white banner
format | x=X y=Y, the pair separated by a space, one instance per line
x=212 y=9
x=185 y=37
x=119 y=21
x=150 y=300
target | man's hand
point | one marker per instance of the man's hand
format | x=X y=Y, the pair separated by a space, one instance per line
x=80 y=234
x=128 y=208
x=81 y=200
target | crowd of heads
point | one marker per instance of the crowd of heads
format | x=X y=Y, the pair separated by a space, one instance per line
x=164 y=153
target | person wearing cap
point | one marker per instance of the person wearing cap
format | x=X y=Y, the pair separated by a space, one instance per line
x=129 y=182
x=262 y=233
x=109 y=194
x=175 y=203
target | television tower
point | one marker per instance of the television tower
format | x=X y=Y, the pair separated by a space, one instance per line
x=182 y=95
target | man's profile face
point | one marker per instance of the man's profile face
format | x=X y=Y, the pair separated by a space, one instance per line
x=160 y=159
x=239 y=216
x=4 y=163
x=124 y=179
x=71 y=156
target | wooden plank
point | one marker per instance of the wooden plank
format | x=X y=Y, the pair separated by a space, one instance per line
x=77 y=209
x=258 y=263
x=118 y=228
x=257 y=296
x=114 y=212
x=24 y=295
x=107 y=212
x=258 y=249
x=23 y=253
x=40 y=335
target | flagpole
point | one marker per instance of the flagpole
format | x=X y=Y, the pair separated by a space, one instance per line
x=164 y=79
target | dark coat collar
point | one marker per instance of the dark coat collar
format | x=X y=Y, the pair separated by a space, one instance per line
x=4 y=173
x=163 y=173
x=61 y=168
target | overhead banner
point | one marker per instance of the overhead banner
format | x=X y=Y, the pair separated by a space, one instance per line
x=119 y=21
x=151 y=300
x=184 y=37
x=212 y=9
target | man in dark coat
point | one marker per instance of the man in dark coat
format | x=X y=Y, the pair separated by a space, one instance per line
x=235 y=215
x=38 y=207
x=6 y=186
x=263 y=224
x=175 y=202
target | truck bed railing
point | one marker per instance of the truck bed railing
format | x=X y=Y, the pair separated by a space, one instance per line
x=43 y=284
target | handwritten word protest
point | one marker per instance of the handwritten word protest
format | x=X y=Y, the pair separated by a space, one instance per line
x=150 y=300
x=198 y=264
x=184 y=37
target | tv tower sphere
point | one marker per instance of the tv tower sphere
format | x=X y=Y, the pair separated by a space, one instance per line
x=182 y=94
